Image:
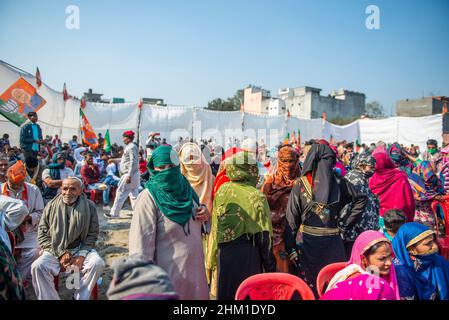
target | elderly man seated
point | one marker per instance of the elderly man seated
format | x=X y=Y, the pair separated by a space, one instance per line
x=68 y=231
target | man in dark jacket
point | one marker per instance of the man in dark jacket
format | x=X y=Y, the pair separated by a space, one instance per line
x=30 y=136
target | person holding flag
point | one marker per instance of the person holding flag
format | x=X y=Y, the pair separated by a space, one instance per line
x=130 y=176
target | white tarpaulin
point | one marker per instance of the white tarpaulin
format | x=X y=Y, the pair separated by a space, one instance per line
x=221 y=126
x=309 y=128
x=406 y=130
x=170 y=122
x=270 y=129
x=349 y=132
x=117 y=117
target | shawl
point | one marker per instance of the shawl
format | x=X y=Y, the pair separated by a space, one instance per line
x=198 y=172
x=392 y=187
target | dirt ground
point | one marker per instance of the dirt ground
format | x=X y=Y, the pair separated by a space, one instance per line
x=112 y=244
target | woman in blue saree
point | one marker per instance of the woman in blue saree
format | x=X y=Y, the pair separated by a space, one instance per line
x=421 y=272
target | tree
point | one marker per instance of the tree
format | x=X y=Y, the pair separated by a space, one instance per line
x=231 y=104
x=374 y=109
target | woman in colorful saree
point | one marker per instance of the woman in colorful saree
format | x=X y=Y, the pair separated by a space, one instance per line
x=241 y=234
x=426 y=187
x=370 y=273
x=422 y=273
x=277 y=188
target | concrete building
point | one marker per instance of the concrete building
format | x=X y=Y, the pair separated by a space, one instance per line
x=156 y=101
x=93 y=97
x=256 y=100
x=307 y=102
x=425 y=106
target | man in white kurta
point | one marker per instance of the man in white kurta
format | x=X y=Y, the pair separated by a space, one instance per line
x=30 y=195
x=68 y=232
x=130 y=176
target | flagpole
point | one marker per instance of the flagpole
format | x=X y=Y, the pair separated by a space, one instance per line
x=140 y=106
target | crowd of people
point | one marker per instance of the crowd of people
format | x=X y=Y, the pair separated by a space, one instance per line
x=206 y=217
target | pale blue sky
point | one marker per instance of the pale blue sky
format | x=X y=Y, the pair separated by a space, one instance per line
x=189 y=52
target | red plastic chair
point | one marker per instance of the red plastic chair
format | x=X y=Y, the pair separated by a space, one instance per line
x=273 y=286
x=326 y=274
x=93 y=295
x=443 y=240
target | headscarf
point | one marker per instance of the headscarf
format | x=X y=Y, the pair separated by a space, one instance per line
x=135 y=278
x=355 y=290
x=55 y=174
x=363 y=243
x=17 y=172
x=221 y=177
x=277 y=188
x=170 y=189
x=392 y=187
x=198 y=172
x=239 y=208
x=363 y=159
x=318 y=168
x=424 y=182
x=430 y=273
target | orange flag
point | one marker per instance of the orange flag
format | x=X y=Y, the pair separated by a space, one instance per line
x=87 y=132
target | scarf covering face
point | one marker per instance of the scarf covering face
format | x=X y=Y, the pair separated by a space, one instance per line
x=198 y=172
x=284 y=176
x=55 y=167
x=424 y=182
x=277 y=188
x=319 y=166
x=363 y=243
x=135 y=278
x=239 y=208
x=392 y=187
x=431 y=272
x=397 y=154
x=170 y=189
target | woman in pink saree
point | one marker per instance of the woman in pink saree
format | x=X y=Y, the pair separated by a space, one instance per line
x=369 y=274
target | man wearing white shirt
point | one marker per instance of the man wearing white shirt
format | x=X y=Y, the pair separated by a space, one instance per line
x=130 y=176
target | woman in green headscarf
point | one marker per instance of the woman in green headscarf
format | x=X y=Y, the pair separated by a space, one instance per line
x=166 y=225
x=241 y=234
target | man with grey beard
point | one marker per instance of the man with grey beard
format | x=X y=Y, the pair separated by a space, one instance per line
x=68 y=231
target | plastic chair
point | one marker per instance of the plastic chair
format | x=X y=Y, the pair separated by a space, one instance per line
x=273 y=286
x=442 y=240
x=326 y=274
x=93 y=295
